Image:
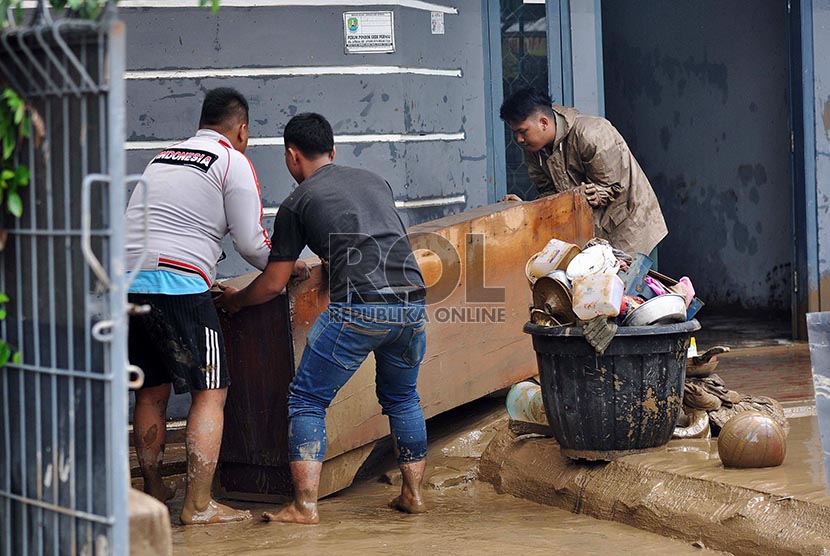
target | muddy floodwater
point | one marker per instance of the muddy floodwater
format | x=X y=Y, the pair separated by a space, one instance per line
x=470 y=520
x=801 y=475
x=466 y=519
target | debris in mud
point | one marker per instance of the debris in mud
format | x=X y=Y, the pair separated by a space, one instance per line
x=444 y=477
x=709 y=406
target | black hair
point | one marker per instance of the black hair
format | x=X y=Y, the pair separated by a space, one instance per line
x=523 y=103
x=223 y=106
x=310 y=133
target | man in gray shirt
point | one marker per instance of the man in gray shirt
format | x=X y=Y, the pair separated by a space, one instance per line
x=377 y=304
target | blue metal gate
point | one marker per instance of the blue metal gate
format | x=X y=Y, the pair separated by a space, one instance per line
x=63 y=425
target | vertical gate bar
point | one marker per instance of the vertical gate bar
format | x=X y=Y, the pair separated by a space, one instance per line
x=106 y=348
x=70 y=324
x=7 y=522
x=118 y=466
x=34 y=178
x=53 y=336
x=87 y=320
x=24 y=479
x=7 y=526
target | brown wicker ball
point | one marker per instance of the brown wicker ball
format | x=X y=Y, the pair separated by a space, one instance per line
x=752 y=439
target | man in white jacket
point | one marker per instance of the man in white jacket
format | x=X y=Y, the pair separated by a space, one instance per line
x=197 y=191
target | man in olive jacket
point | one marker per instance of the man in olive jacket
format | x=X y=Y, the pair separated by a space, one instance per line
x=567 y=150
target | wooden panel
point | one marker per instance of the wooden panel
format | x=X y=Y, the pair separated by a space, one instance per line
x=475 y=343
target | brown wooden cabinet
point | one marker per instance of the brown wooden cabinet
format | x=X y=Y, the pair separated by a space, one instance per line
x=478 y=302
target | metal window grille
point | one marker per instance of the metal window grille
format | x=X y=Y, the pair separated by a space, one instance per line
x=63 y=437
x=524 y=64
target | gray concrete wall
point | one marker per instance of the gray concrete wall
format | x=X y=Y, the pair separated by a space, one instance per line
x=699 y=90
x=449 y=173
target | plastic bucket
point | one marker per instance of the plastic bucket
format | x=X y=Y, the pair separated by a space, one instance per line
x=623 y=402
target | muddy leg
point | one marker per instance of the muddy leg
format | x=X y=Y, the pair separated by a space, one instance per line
x=303 y=509
x=204 y=437
x=410 y=500
x=149 y=432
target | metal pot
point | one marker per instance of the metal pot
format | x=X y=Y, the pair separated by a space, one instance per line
x=663 y=309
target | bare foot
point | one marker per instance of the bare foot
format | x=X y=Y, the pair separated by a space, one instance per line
x=163 y=491
x=408 y=504
x=295 y=512
x=213 y=513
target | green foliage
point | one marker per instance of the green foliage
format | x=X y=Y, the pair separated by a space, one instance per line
x=88 y=9
x=14 y=126
x=214 y=5
x=6 y=352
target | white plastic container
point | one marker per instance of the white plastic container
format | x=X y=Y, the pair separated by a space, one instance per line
x=555 y=255
x=597 y=295
x=597 y=259
x=524 y=403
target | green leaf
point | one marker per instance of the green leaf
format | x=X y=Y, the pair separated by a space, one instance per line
x=21 y=176
x=5 y=353
x=8 y=146
x=16 y=358
x=214 y=5
x=2 y=314
x=7 y=175
x=15 y=204
x=4 y=298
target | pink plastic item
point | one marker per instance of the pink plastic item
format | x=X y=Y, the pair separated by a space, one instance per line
x=655 y=286
x=688 y=290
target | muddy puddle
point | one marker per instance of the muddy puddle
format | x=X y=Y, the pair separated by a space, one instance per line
x=801 y=475
x=466 y=520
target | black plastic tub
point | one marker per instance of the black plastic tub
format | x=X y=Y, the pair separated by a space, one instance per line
x=623 y=402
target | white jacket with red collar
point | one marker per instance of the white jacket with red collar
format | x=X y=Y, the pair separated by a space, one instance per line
x=197 y=192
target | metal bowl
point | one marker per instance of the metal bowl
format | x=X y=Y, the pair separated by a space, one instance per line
x=555 y=298
x=663 y=309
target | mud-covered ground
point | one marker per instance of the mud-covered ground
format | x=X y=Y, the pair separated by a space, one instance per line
x=468 y=518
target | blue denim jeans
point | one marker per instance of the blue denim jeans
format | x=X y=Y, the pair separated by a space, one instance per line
x=340 y=340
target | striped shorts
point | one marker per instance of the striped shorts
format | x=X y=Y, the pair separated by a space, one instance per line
x=179 y=341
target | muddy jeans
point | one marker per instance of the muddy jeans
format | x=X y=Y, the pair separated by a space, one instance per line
x=340 y=340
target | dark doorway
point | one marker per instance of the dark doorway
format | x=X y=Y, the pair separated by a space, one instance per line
x=699 y=90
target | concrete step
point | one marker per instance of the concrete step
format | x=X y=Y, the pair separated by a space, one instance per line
x=150 y=533
x=680 y=491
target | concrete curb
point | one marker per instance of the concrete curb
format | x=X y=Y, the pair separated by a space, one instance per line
x=150 y=533
x=742 y=521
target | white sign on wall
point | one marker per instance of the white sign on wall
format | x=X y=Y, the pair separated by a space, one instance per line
x=367 y=32
x=437 y=23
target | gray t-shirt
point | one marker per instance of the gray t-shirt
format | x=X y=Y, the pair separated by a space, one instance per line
x=348 y=217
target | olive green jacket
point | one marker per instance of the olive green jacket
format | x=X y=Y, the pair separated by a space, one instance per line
x=593 y=151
